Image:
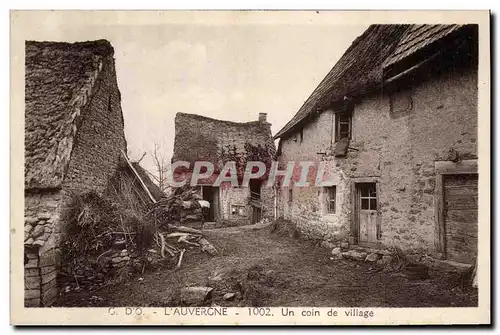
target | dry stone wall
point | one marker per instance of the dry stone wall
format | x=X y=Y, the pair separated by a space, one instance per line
x=100 y=137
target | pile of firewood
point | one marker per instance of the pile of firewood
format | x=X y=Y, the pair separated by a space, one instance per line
x=182 y=207
x=179 y=239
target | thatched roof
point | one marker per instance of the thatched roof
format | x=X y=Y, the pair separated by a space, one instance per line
x=361 y=67
x=417 y=37
x=59 y=78
x=199 y=138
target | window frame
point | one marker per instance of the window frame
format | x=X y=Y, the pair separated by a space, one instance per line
x=239 y=210
x=329 y=200
x=370 y=198
x=340 y=119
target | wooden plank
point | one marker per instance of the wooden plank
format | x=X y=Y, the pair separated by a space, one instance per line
x=461 y=179
x=462 y=216
x=460 y=190
x=354 y=214
x=462 y=167
x=439 y=215
x=462 y=203
x=138 y=177
x=364 y=219
x=462 y=257
x=461 y=231
x=372 y=226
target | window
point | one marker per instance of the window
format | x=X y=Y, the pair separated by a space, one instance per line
x=369 y=197
x=290 y=194
x=299 y=137
x=237 y=210
x=331 y=199
x=342 y=126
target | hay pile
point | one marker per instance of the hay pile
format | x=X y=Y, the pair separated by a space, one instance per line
x=100 y=239
x=110 y=237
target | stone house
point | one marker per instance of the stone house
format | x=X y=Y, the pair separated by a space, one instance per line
x=199 y=138
x=394 y=124
x=74 y=141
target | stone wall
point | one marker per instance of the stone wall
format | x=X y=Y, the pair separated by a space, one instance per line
x=232 y=196
x=396 y=138
x=240 y=197
x=94 y=159
x=267 y=195
x=42 y=234
x=199 y=138
x=100 y=137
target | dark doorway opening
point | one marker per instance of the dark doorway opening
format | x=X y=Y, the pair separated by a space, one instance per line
x=255 y=186
x=211 y=194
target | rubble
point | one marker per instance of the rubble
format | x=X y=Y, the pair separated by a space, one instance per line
x=385 y=260
x=372 y=257
x=229 y=296
x=354 y=255
x=336 y=253
x=195 y=295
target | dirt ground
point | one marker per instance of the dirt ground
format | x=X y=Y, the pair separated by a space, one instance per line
x=271 y=269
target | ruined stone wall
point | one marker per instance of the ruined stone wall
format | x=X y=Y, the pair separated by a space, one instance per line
x=42 y=233
x=396 y=140
x=100 y=136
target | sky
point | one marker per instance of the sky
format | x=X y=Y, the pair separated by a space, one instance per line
x=225 y=71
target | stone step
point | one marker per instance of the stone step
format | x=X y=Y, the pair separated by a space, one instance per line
x=382 y=252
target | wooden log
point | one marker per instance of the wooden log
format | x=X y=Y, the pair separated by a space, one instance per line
x=207 y=247
x=184 y=229
x=177 y=235
x=180 y=258
x=139 y=178
x=184 y=239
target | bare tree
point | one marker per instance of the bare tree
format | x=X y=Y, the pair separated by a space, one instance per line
x=161 y=167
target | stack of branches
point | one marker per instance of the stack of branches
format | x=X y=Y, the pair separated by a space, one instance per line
x=179 y=239
x=181 y=207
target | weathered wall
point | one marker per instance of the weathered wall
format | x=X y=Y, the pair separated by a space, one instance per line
x=268 y=205
x=397 y=149
x=235 y=196
x=94 y=160
x=198 y=138
x=96 y=153
x=42 y=233
x=240 y=196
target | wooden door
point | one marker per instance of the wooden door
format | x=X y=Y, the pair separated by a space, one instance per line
x=256 y=214
x=368 y=218
x=460 y=217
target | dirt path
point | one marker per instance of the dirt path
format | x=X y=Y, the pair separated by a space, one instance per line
x=278 y=270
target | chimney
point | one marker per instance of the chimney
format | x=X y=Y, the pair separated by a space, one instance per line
x=262 y=118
